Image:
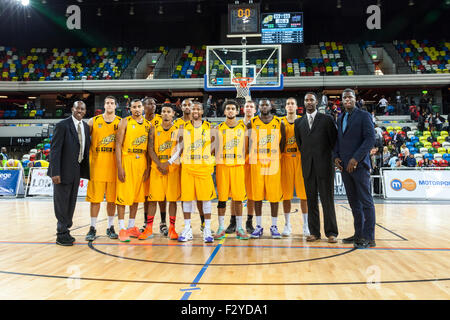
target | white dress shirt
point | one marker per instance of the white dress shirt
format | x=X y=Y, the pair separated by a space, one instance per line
x=311 y=115
x=83 y=138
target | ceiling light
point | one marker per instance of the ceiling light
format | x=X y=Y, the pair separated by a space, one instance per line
x=338 y=4
x=160 y=11
x=199 y=8
x=99 y=12
x=411 y=3
x=131 y=11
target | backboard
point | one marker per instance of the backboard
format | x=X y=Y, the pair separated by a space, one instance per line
x=260 y=62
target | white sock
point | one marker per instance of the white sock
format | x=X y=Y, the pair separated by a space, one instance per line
x=187 y=223
x=274 y=221
x=305 y=218
x=121 y=224
x=221 y=222
x=208 y=224
x=93 y=222
x=258 y=220
x=110 y=221
x=130 y=223
x=238 y=222
x=287 y=219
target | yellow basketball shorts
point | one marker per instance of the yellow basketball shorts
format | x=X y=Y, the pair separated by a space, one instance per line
x=230 y=182
x=292 y=176
x=196 y=187
x=266 y=183
x=132 y=190
x=97 y=191
x=165 y=186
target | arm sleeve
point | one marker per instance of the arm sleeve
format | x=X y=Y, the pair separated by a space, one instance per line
x=56 y=150
x=176 y=155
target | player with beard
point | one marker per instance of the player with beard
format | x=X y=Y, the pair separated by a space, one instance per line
x=267 y=139
x=291 y=171
x=132 y=169
x=249 y=113
x=102 y=182
x=197 y=166
x=230 y=173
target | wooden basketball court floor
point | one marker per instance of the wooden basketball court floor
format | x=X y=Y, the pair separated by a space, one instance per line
x=411 y=260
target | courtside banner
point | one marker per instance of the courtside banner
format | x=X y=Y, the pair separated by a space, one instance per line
x=417 y=184
x=9 y=180
x=41 y=184
x=339 y=188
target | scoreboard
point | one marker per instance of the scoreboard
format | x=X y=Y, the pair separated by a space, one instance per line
x=243 y=20
x=284 y=27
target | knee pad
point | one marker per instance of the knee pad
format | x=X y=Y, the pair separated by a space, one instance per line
x=188 y=206
x=222 y=204
x=207 y=207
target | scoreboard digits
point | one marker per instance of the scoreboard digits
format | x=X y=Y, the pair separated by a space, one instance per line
x=243 y=19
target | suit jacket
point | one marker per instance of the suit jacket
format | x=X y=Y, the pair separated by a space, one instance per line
x=64 y=151
x=316 y=144
x=357 y=140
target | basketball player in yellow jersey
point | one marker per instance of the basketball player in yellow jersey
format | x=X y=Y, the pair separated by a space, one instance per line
x=164 y=176
x=291 y=171
x=197 y=166
x=132 y=167
x=102 y=182
x=249 y=113
x=186 y=108
x=155 y=119
x=267 y=139
x=231 y=146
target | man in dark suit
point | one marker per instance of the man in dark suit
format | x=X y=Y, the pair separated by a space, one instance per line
x=356 y=137
x=315 y=134
x=69 y=161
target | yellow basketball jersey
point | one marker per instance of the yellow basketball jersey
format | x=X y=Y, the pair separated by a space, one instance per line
x=265 y=141
x=102 y=151
x=178 y=122
x=164 y=143
x=231 y=150
x=197 y=156
x=136 y=138
x=291 y=148
x=157 y=120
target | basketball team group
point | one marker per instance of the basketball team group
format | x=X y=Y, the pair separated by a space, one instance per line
x=157 y=160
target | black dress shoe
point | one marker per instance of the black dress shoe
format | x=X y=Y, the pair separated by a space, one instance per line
x=64 y=240
x=372 y=243
x=361 y=244
x=349 y=239
x=70 y=237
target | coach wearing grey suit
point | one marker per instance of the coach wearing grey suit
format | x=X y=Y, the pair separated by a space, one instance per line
x=69 y=161
x=315 y=134
x=356 y=137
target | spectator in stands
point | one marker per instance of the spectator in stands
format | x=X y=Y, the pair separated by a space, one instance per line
x=404 y=150
x=428 y=163
x=398 y=163
x=421 y=122
x=424 y=103
x=374 y=118
x=208 y=105
x=375 y=160
x=324 y=100
x=393 y=161
x=382 y=105
x=411 y=161
x=361 y=104
x=386 y=156
x=438 y=121
x=397 y=140
x=3 y=154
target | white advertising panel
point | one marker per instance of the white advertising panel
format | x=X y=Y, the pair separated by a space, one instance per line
x=41 y=184
x=417 y=184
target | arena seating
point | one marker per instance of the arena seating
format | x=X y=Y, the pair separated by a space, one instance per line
x=42 y=64
x=425 y=56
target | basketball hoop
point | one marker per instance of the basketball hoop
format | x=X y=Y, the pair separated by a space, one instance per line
x=242 y=85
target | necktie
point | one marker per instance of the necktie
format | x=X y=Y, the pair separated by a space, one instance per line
x=311 y=120
x=344 y=123
x=80 y=139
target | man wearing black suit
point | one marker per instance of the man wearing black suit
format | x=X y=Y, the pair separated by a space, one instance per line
x=315 y=134
x=356 y=137
x=69 y=161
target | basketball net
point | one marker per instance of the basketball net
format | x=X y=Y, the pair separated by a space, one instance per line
x=242 y=85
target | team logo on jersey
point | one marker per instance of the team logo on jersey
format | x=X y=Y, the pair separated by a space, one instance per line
x=231 y=144
x=197 y=144
x=267 y=139
x=99 y=125
x=165 y=146
x=140 y=140
x=291 y=140
x=107 y=140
